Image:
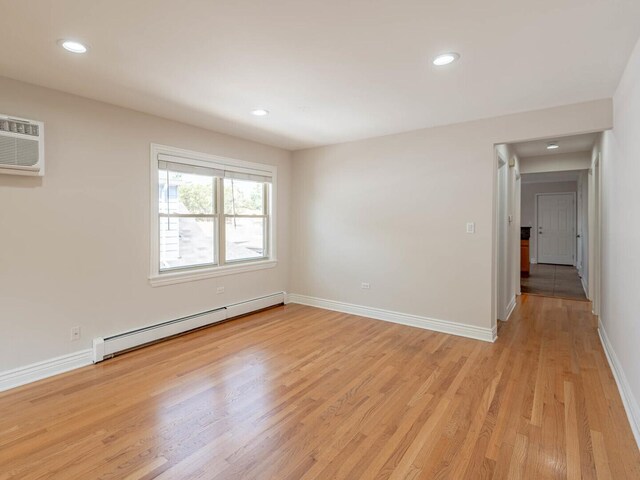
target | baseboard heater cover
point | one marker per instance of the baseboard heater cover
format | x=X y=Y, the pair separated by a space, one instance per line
x=105 y=347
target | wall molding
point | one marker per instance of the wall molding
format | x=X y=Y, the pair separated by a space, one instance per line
x=47 y=368
x=161 y=280
x=628 y=400
x=108 y=346
x=585 y=287
x=510 y=308
x=443 y=326
x=65 y=363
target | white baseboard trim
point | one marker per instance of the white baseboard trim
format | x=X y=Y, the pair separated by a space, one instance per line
x=511 y=307
x=585 y=287
x=444 y=326
x=629 y=401
x=108 y=346
x=47 y=368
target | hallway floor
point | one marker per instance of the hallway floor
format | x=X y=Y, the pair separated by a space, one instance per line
x=560 y=281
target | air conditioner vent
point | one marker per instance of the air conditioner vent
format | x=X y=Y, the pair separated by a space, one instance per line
x=21 y=146
x=18 y=151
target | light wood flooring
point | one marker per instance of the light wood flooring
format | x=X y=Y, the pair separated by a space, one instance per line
x=301 y=393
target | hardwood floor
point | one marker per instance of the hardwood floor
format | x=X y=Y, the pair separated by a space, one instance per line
x=301 y=393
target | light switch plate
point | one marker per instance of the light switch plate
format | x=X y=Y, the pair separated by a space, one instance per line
x=471 y=227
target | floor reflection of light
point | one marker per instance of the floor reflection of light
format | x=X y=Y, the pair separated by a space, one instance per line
x=220 y=405
x=247 y=396
x=245 y=381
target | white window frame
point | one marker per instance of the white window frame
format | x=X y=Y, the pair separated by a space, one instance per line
x=188 y=274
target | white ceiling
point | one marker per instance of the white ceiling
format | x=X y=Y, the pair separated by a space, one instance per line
x=570 y=144
x=546 y=177
x=328 y=70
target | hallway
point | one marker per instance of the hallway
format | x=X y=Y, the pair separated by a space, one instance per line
x=561 y=281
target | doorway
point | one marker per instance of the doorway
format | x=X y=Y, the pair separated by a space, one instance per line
x=555 y=274
x=550 y=213
x=559 y=216
x=568 y=262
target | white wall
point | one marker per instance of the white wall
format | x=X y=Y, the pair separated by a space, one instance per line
x=620 y=306
x=75 y=243
x=556 y=163
x=528 y=206
x=392 y=210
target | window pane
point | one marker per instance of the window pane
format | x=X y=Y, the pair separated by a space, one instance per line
x=186 y=242
x=243 y=197
x=185 y=192
x=245 y=238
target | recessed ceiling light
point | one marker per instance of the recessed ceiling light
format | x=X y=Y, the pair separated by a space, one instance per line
x=260 y=112
x=552 y=146
x=445 y=59
x=73 y=46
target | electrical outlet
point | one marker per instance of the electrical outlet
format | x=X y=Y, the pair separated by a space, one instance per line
x=471 y=227
x=75 y=334
x=219 y=290
x=365 y=285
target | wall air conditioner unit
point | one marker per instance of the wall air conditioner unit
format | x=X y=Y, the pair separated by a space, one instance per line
x=21 y=146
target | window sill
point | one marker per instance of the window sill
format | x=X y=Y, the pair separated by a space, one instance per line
x=193 y=275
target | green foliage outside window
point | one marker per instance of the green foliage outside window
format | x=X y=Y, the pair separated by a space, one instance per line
x=243 y=198
x=197 y=198
x=240 y=197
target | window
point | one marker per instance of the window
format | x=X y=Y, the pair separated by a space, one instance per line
x=246 y=219
x=187 y=216
x=210 y=216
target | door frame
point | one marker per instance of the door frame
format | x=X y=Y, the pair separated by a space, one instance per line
x=502 y=237
x=575 y=220
x=579 y=228
x=516 y=238
x=595 y=232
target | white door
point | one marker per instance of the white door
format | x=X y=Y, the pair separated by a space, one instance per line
x=556 y=228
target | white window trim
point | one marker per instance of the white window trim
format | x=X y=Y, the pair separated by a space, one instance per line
x=156 y=278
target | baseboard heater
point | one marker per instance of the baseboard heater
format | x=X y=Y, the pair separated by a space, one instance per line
x=106 y=347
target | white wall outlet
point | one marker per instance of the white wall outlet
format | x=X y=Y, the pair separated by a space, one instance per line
x=75 y=334
x=219 y=290
x=365 y=285
x=471 y=227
